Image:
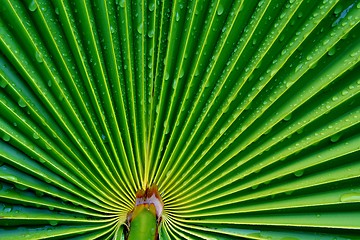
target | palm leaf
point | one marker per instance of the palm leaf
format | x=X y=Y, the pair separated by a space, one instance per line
x=245 y=114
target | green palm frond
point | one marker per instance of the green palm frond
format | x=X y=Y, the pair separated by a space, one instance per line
x=244 y=114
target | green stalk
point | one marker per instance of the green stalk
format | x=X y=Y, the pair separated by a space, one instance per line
x=144 y=223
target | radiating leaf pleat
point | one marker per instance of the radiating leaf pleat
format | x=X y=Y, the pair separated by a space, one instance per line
x=245 y=114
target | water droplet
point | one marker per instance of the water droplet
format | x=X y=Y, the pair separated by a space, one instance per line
x=298 y=67
x=167 y=129
x=53 y=223
x=344 y=92
x=197 y=72
x=48 y=146
x=140 y=28
x=267 y=182
x=38 y=57
x=289 y=192
x=350 y=197
x=288 y=117
x=49 y=83
x=32 y=6
x=21 y=187
x=309 y=57
x=337 y=9
x=299 y=173
x=39 y=193
x=332 y=51
x=313 y=65
x=35 y=135
x=300 y=130
x=222 y=130
x=272 y=73
x=157 y=108
x=6 y=137
x=122 y=3
x=335 y=137
x=220 y=9
x=112 y=29
x=151 y=33
x=22 y=103
x=57 y=11
x=353 y=54
x=177 y=16
x=181 y=73
x=167 y=76
x=3 y=83
x=104 y=138
x=151 y=7
x=7 y=209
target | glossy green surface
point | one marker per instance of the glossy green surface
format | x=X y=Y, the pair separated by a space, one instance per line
x=244 y=113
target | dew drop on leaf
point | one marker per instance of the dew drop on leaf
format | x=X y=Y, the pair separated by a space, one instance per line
x=220 y=9
x=151 y=7
x=53 y=223
x=7 y=209
x=32 y=6
x=181 y=73
x=3 y=83
x=335 y=137
x=140 y=28
x=6 y=137
x=288 y=117
x=299 y=173
x=332 y=51
x=174 y=84
x=38 y=57
x=35 y=135
x=21 y=187
x=298 y=67
x=167 y=76
x=22 y=103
